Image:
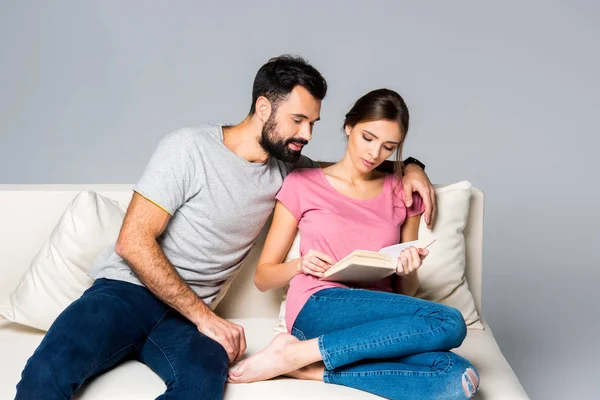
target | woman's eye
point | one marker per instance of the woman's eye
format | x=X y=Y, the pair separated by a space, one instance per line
x=388 y=149
x=297 y=121
x=367 y=139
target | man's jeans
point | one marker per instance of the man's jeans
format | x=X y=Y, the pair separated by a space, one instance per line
x=392 y=345
x=115 y=321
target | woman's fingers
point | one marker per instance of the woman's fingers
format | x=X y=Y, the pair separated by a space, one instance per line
x=403 y=269
x=316 y=263
x=416 y=259
x=323 y=257
x=423 y=253
x=410 y=260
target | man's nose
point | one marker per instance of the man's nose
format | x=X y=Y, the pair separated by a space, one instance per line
x=305 y=133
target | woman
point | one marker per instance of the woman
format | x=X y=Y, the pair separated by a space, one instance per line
x=379 y=339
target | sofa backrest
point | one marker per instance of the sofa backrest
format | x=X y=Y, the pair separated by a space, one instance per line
x=28 y=213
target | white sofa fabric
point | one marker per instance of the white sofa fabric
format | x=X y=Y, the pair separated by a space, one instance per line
x=30 y=212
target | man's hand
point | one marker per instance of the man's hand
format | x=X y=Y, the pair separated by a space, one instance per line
x=416 y=180
x=229 y=335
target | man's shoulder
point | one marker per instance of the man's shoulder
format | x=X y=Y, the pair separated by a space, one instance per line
x=200 y=133
x=197 y=141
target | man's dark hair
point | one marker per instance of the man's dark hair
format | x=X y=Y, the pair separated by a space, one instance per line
x=277 y=78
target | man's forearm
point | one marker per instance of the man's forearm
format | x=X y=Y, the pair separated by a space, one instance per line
x=155 y=271
x=386 y=166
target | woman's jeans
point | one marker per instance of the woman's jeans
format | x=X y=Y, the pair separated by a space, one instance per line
x=392 y=345
x=116 y=321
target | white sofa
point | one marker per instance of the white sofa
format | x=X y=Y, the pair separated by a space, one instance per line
x=29 y=212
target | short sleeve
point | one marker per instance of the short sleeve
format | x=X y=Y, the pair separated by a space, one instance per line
x=289 y=194
x=168 y=180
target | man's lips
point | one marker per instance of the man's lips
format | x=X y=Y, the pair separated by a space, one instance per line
x=296 y=146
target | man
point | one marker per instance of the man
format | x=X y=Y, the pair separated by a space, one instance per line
x=194 y=215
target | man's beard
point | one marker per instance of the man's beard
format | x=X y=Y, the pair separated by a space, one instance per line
x=278 y=148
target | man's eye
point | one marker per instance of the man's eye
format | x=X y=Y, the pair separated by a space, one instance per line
x=297 y=121
x=367 y=139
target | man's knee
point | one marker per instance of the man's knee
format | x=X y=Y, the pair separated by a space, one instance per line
x=44 y=377
x=203 y=376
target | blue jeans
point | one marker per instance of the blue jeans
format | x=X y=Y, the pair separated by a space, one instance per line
x=388 y=344
x=116 y=321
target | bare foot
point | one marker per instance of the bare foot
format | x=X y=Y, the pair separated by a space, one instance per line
x=281 y=356
x=312 y=372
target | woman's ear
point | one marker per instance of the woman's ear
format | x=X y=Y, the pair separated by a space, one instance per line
x=347 y=129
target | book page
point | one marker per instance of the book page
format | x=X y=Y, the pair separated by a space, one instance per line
x=394 y=250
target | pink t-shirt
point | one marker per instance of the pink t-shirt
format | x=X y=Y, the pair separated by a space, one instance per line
x=336 y=225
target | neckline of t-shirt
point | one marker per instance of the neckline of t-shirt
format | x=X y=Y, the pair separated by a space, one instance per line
x=221 y=140
x=331 y=188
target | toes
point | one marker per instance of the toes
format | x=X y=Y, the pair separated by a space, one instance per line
x=238 y=370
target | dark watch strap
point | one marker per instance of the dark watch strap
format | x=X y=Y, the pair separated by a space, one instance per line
x=412 y=160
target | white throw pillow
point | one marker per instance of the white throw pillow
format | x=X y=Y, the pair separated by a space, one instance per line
x=57 y=274
x=442 y=275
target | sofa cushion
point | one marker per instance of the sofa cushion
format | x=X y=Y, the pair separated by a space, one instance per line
x=57 y=274
x=133 y=380
x=442 y=275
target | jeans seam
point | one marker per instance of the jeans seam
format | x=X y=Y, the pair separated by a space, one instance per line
x=395 y=372
x=299 y=332
x=361 y=300
x=169 y=361
x=324 y=353
x=123 y=348
x=378 y=343
x=159 y=321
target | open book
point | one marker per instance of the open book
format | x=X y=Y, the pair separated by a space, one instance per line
x=363 y=266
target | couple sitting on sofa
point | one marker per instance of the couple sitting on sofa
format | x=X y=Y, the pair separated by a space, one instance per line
x=196 y=212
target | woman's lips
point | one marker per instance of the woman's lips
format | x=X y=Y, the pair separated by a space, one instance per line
x=367 y=163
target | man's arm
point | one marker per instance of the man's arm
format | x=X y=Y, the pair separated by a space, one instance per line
x=137 y=244
x=416 y=180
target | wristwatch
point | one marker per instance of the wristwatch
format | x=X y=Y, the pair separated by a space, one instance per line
x=411 y=160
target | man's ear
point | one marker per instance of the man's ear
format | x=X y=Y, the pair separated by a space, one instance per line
x=263 y=108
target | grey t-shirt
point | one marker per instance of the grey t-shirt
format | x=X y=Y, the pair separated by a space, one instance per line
x=219 y=202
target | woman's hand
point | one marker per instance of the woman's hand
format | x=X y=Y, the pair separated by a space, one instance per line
x=315 y=263
x=410 y=260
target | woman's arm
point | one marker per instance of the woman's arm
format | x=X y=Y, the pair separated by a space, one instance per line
x=270 y=272
x=408 y=284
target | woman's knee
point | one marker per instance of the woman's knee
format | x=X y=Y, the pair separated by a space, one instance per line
x=454 y=327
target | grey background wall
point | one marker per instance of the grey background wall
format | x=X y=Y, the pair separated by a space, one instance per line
x=504 y=94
